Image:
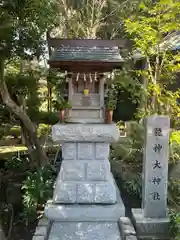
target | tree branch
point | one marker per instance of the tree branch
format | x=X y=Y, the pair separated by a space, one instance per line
x=17 y=110
x=150 y=69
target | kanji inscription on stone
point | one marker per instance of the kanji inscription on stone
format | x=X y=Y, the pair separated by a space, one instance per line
x=156 y=180
x=155 y=173
x=155 y=196
x=158 y=132
x=157 y=164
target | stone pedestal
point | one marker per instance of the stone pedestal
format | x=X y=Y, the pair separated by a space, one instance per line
x=85 y=190
x=152 y=220
x=150 y=228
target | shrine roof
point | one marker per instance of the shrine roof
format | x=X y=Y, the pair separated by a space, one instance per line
x=84 y=53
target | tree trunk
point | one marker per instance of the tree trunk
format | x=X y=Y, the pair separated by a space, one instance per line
x=35 y=150
x=48 y=84
x=24 y=118
x=49 y=97
x=143 y=103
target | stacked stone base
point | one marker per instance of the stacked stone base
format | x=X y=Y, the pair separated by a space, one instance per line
x=86 y=203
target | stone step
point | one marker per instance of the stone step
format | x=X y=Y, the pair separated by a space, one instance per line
x=85 y=120
x=84 y=231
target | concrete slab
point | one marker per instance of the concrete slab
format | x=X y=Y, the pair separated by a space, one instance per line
x=84 y=231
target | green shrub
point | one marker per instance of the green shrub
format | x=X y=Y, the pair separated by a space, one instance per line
x=126 y=158
x=134 y=185
x=175 y=137
x=175 y=224
x=17 y=164
x=7 y=130
x=43 y=129
x=14 y=163
x=37 y=189
x=2 y=132
x=15 y=131
x=174 y=147
x=129 y=151
x=174 y=193
x=47 y=118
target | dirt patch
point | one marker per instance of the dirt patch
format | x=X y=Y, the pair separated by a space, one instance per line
x=22 y=232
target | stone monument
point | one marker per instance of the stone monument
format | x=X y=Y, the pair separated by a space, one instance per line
x=86 y=203
x=152 y=220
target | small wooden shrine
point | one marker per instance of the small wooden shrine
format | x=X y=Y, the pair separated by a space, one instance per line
x=87 y=64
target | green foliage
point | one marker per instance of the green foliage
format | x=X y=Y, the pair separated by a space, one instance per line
x=128 y=80
x=175 y=224
x=61 y=105
x=24 y=86
x=166 y=103
x=23 y=25
x=55 y=78
x=148 y=29
x=93 y=19
x=47 y=118
x=129 y=91
x=89 y=18
x=134 y=185
x=8 y=130
x=37 y=189
x=174 y=148
x=4 y=114
x=129 y=150
x=3 y=130
x=14 y=163
x=174 y=193
x=111 y=99
x=20 y=83
x=17 y=164
x=15 y=131
x=126 y=157
x=43 y=130
x=152 y=23
x=175 y=137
